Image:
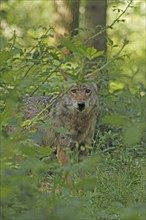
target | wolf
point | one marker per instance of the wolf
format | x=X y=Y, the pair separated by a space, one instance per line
x=75 y=111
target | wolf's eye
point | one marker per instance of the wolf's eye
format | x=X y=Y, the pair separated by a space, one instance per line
x=88 y=91
x=73 y=90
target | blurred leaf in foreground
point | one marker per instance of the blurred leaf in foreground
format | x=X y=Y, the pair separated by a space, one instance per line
x=133 y=133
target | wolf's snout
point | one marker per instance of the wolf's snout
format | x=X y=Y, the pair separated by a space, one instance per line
x=81 y=106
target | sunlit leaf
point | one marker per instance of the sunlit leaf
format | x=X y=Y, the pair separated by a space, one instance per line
x=93 y=53
x=45 y=150
x=115 y=86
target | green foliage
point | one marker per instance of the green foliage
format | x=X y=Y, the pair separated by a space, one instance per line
x=109 y=184
x=101 y=189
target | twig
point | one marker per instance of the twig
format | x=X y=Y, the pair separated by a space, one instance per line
x=111 y=25
x=14 y=40
x=57 y=68
x=30 y=122
x=114 y=58
x=41 y=83
x=95 y=72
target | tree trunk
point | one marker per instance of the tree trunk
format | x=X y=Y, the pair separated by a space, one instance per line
x=95 y=15
x=66 y=18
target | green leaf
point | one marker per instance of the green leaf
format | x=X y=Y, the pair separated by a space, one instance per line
x=16 y=51
x=32 y=164
x=114 y=120
x=29 y=151
x=93 y=53
x=4 y=56
x=133 y=133
x=7 y=191
x=61 y=130
x=70 y=46
x=3 y=43
x=45 y=150
x=88 y=183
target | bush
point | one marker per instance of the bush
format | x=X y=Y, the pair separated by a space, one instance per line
x=107 y=185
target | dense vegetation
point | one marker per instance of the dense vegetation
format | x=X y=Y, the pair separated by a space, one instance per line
x=110 y=183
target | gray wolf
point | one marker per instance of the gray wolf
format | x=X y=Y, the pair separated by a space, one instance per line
x=75 y=111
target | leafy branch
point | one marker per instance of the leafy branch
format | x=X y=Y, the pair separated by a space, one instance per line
x=116 y=57
x=30 y=122
x=103 y=29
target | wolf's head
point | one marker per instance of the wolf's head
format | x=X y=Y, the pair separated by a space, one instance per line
x=81 y=98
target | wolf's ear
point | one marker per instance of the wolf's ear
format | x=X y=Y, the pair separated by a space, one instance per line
x=93 y=75
x=64 y=75
x=95 y=86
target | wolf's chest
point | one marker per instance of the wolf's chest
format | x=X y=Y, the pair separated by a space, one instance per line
x=79 y=128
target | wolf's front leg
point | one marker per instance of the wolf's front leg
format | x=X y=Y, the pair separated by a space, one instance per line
x=64 y=159
x=63 y=156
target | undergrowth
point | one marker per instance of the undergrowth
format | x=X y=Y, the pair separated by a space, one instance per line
x=110 y=183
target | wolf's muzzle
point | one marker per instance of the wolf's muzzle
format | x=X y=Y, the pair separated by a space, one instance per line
x=81 y=106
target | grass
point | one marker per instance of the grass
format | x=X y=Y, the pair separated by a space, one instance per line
x=106 y=186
